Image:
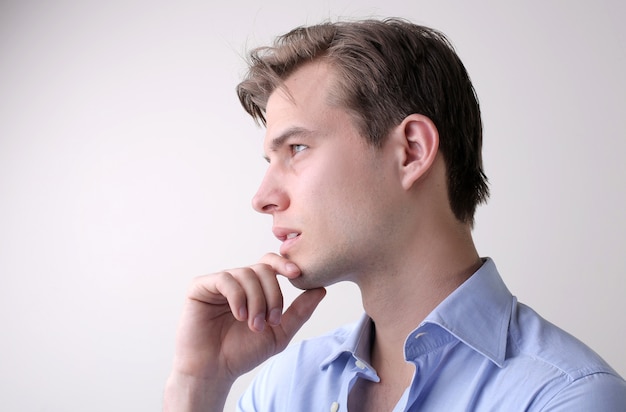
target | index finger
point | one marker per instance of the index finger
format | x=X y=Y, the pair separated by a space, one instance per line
x=281 y=265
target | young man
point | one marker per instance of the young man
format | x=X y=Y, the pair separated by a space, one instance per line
x=374 y=149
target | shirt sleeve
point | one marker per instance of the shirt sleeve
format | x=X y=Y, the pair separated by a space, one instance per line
x=600 y=392
x=258 y=396
x=270 y=388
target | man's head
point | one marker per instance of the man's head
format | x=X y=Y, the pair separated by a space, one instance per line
x=387 y=70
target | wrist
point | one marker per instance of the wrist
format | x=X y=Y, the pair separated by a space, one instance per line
x=185 y=393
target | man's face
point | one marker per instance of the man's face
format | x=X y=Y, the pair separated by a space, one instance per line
x=331 y=195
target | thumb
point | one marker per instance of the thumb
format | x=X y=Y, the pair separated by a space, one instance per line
x=301 y=310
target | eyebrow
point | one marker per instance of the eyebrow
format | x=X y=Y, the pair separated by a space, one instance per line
x=279 y=140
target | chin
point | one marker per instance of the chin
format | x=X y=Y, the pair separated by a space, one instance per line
x=311 y=279
x=314 y=279
x=304 y=283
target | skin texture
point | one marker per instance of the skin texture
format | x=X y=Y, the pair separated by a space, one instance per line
x=345 y=211
x=325 y=183
x=229 y=325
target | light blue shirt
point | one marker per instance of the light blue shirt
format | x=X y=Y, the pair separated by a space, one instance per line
x=479 y=350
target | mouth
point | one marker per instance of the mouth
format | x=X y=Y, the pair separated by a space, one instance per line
x=289 y=243
x=284 y=234
x=288 y=238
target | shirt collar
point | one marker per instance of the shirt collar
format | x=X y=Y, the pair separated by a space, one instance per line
x=357 y=343
x=477 y=313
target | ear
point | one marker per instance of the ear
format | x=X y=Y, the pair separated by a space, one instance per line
x=419 y=141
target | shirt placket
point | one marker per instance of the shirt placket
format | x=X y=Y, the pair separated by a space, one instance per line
x=356 y=369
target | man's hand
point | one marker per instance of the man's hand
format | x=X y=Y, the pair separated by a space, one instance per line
x=232 y=322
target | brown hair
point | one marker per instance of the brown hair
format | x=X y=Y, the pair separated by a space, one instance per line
x=388 y=69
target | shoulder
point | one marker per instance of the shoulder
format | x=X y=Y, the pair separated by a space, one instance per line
x=532 y=336
x=579 y=378
x=592 y=392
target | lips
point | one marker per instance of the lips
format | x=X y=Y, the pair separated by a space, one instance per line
x=284 y=234
x=288 y=237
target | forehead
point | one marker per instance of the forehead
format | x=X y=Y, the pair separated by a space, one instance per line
x=303 y=96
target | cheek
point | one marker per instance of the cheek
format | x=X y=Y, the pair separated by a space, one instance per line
x=343 y=193
x=350 y=207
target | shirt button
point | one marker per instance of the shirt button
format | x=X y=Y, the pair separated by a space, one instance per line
x=334 y=407
x=360 y=364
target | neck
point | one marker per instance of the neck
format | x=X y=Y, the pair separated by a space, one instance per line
x=421 y=276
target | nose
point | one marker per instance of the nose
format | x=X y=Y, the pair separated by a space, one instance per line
x=270 y=196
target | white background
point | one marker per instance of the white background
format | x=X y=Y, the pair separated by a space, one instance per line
x=127 y=168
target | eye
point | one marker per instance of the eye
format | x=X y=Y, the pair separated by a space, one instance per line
x=297 y=148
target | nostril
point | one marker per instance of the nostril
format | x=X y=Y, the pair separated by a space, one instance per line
x=270 y=197
x=262 y=205
x=269 y=208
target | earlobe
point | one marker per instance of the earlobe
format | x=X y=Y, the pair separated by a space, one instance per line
x=421 y=144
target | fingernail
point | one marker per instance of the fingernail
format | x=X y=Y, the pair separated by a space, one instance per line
x=275 y=315
x=243 y=313
x=259 y=323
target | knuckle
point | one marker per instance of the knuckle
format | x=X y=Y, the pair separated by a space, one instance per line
x=271 y=259
x=268 y=256
x=245 y=274
x=263 y=269
x=220 y=279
